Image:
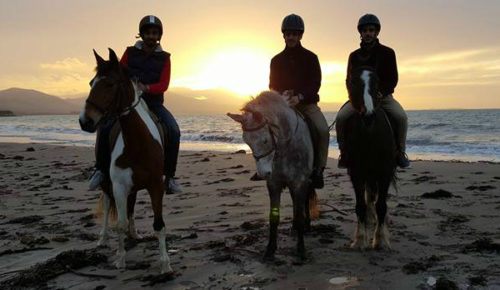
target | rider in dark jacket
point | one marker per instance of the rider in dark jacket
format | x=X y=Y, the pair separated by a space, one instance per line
x=149 y=65
x=296 y=73
x=383 y=60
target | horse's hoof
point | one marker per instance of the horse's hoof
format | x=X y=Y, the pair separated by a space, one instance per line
x=134 y=236
x=300 y=259
x=268 y=256
x=358 y=245
x=165 y=268
x=120 y=263
x=381 y=245
x=103 y=241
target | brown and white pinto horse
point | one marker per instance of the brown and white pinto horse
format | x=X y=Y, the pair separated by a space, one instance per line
x=371 y=162
x=136 y=158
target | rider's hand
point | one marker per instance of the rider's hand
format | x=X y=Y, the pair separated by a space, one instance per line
x=293 y=100
x=144 y=88
x=288 y=93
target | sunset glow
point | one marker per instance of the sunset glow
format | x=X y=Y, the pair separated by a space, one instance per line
x=228 y=45
x=242 y=70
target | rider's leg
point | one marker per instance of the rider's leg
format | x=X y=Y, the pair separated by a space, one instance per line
x=103 y=156
x=321 y=133
x=343 y=114
x=171 y=149
x=397 y=113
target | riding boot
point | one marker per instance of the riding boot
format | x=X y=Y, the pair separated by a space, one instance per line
x=103 y=157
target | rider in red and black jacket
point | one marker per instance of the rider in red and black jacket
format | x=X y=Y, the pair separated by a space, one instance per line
x=149 y=66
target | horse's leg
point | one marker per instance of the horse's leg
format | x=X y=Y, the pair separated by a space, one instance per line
x=381 y=236
x=156 y=194
x=360 y=236
x=274 y=190
x=300 y=193
x=371 y=198
x=132 y=232
x=307 y=221
x=120 y=193
x=103 y=236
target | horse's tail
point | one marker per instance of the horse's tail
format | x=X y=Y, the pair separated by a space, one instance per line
x=313 y=204
x=113 y=214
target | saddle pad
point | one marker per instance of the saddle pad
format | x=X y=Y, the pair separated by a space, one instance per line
x=116 y=129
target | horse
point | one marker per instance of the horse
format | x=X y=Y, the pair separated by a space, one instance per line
x=371 y=162
x=282 y=148
x=136 y=157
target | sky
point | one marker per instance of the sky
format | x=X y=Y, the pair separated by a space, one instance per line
x=448 y=51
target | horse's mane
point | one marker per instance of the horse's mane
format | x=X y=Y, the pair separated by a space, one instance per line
x=268 y=103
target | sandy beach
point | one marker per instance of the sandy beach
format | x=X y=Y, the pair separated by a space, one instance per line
x=444 y=224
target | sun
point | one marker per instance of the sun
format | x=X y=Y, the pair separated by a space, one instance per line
x=242 y=70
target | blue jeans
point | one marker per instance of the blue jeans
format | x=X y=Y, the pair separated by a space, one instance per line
x=171 y=148
x=172 y=138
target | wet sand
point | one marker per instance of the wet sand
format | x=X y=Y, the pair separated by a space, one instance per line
x=444 y=223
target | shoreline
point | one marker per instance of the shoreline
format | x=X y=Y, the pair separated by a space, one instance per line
x=217 y=228
x=195 y=146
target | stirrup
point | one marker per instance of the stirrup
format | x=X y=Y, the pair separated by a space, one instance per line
x=402 y=160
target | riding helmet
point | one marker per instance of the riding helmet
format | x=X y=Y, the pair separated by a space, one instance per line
x=368 y=19
x=292 y=22
x=150 y=21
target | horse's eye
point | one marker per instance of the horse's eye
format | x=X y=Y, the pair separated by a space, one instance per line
x=265 y=142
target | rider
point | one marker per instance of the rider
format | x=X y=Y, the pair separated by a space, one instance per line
x=383 y=59
x=150 y=66
x=296 y=73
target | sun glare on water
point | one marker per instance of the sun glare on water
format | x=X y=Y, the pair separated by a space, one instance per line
x=240 y=70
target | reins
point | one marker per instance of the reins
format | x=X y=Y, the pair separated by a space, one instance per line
x=273 y=139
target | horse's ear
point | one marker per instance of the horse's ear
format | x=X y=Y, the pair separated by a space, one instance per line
x=99 y=59
x=236 y=117
x=112 y=57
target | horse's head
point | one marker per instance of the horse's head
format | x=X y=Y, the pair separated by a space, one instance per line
x=111 y=91
x=363 y=92
x=258 y=135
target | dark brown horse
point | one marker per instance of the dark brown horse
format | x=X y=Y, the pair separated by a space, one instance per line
x=371 y=149
x=137 y=156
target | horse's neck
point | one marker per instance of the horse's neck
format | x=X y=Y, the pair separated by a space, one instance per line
x=130 y=121
x=287 y=121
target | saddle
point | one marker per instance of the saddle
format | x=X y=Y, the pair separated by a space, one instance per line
x=116 y=129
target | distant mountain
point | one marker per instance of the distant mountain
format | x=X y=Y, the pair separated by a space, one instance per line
x=180 y=101
x=31 y=102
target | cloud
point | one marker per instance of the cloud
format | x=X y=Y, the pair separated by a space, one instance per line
x=201 y=98
x=455 y=68
x=69 y=64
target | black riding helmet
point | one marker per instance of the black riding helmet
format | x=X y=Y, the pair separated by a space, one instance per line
x=368 y=19
x=292 y=22
x=150 y=21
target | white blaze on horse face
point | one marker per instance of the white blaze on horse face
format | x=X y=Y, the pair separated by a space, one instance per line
x=83 y=117
x=365 y=76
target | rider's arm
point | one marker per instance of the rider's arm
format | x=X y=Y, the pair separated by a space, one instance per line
x=273 y=76
x=124 y=59
x=390 y=80
x=313 y=83
x=348 y=74
x=162 y=85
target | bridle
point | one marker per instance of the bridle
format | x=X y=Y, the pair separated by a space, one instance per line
x=106 y=112
x=274 y=147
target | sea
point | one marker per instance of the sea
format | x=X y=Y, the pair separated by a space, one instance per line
x=461 y=135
